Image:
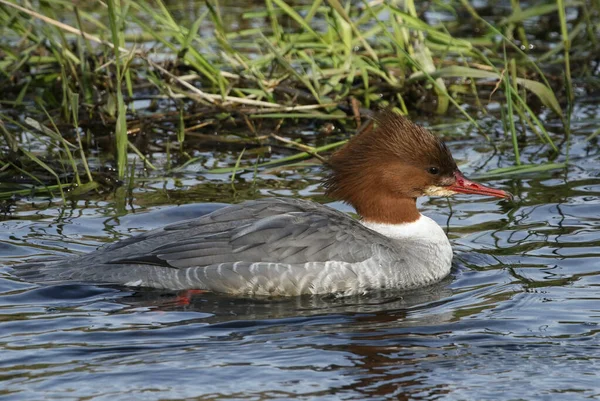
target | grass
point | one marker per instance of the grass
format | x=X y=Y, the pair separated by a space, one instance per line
x=105 y=84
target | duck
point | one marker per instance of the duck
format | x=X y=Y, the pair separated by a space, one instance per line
x=292 y=247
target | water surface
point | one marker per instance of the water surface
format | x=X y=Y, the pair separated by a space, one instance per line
x=517 y=319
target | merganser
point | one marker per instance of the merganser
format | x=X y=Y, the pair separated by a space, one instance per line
x=288 y=247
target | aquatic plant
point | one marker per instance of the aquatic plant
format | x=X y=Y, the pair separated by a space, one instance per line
x=88 y=89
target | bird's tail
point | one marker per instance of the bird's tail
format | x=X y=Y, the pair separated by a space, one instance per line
x=37 y=272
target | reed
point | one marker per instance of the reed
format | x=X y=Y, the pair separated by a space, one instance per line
x=566 y=42
x=116 y=21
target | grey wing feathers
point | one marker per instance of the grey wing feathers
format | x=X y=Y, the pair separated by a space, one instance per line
x=264 y=244
x=218 y=221
x=276 y=231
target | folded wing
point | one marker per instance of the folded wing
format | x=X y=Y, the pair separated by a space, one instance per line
x=274 y=230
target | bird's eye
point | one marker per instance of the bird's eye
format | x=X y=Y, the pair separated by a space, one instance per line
x=433 y=170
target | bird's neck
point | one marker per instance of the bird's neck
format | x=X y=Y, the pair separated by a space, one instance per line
x=388 y=210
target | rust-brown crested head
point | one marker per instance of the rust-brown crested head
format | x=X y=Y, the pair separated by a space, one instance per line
x=381 y=172
x=397 y=158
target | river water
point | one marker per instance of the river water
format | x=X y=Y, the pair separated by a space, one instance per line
x=518 y=318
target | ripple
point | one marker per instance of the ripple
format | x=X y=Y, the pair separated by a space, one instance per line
x=518 y=318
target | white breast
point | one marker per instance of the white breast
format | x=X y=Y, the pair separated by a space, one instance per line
x=424 y=228
x=426 y=253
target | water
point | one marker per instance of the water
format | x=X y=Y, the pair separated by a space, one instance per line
x=518 y=318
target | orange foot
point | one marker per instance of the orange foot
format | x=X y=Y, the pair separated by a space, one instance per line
x=184 y=298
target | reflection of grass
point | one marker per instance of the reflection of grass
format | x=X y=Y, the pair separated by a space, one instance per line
x=139 y=77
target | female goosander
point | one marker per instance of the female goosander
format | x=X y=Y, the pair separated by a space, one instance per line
x=288 y=247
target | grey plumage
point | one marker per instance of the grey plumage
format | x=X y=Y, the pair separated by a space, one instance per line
x=269 y=230
x=267 y=246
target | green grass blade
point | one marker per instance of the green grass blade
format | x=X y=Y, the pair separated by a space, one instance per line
x=522 y=169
